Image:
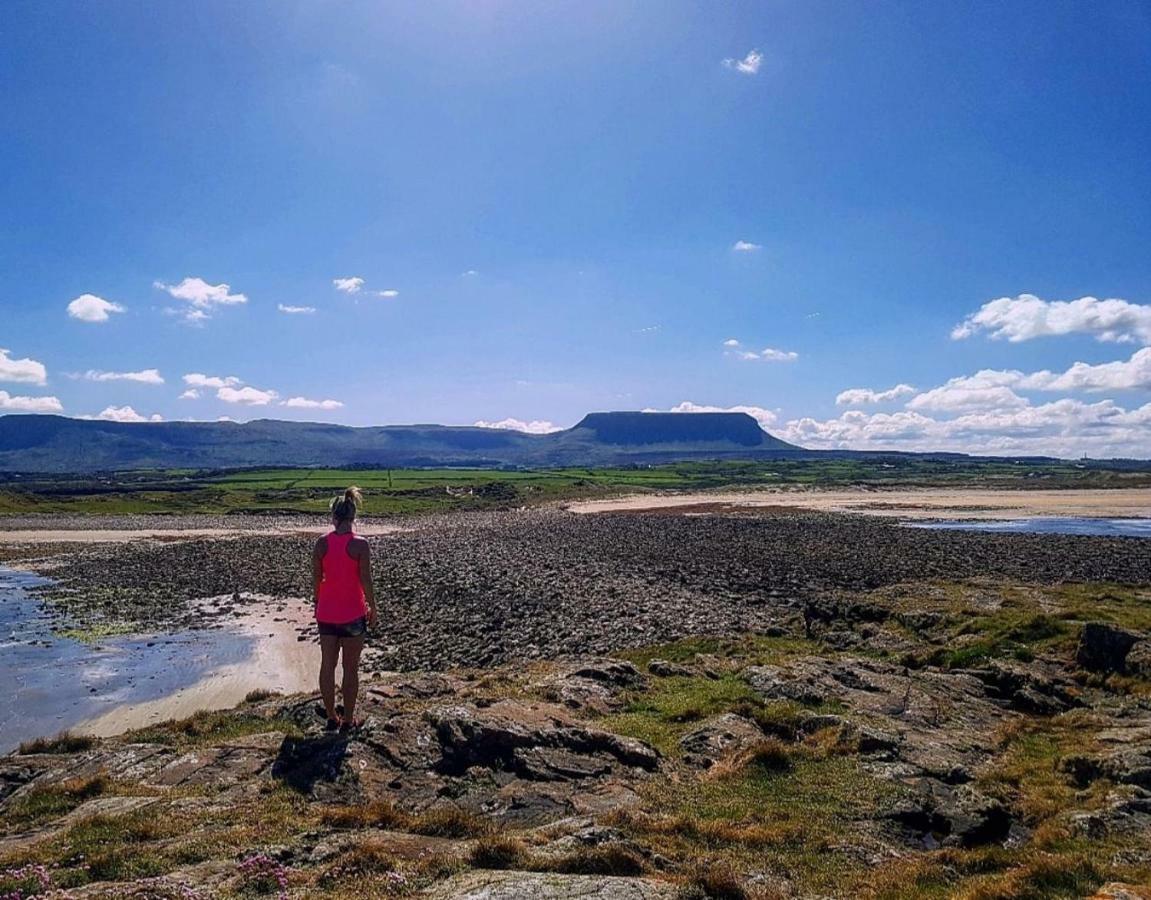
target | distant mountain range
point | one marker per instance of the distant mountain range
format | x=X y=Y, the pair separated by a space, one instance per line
x=58 y=444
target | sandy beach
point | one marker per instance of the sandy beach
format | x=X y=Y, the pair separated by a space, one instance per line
x=927 y=503
x=53 y=535
x=278 y=662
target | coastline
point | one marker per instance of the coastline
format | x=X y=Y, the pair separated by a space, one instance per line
x=905 y=503
x=280 y=661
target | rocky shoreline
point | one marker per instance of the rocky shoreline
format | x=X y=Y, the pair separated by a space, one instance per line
x=729 y=706
x=487 y=589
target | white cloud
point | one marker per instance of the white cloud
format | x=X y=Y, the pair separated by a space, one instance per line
x=986 y=389
x=768 y=354
x=764 y=417
x=351 y=285
x=249 y=396
x=1065 y=427
x=860 y=396
x=90 y=308
x=746 y=247
x=536 y=426
x=190 y=394
x=202 y=297
x=749 y=65
x=295 y=310
x=22 y=371
x=389 y=294
x=195 y=379
x=126 y=414
x=987 y=413
x=305 y=403
x=146 y=376
x=30 y=404
x=1026 y=317
x=469 y=273
x=1120 y=375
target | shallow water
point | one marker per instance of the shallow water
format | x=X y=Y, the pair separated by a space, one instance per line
x=54 y=683
x=1049 y=525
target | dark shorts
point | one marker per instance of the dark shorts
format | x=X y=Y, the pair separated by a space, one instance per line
x=356 y=628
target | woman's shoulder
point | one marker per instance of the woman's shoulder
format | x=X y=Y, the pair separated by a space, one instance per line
x=321 y=544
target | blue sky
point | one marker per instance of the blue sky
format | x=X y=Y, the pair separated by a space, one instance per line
x=543 y=205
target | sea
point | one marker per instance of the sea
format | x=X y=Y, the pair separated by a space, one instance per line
x=55 y=683
x=1083 y=525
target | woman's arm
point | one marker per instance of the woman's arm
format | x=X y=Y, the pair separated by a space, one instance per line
x=317 y=570
x=366 y=581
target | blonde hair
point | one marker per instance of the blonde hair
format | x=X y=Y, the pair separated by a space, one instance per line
x=344 y=508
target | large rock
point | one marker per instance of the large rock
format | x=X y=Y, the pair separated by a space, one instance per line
x=547 y=886
x=1138 y=660
x=954 y=816
x=513 y=736
x=718 y=737
x=774 y=684
x=1104 y=648
x=592 y=683
x=1028 y=689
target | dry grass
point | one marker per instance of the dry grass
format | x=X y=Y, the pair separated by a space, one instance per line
x=499 y=852
x=449 y=822
x=260 y=694
x=376 y=814
x=769 y=755
x=609 y=859
x=64 y=742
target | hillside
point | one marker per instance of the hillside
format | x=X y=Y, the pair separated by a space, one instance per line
x=59 y=444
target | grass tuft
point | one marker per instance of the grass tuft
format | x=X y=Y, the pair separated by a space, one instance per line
x=64 y=742
x=499 y=852
x=610 y=859
x=377 y=814
x=450 y=822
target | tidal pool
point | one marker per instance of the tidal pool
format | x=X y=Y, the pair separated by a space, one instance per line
x=57 y=682
x=1048 y=525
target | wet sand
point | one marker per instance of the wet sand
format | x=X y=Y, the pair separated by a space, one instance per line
x=52 y=535
x=277 y=661
x=926 y=503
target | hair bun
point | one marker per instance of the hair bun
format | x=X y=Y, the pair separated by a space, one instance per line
x=344 y=508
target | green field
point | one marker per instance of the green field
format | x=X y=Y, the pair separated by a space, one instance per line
x=401 y=492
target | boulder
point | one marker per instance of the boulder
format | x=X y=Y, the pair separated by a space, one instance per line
x=1027 y=689
x=664 y=669
x=484 y=885
x=773 y=684
x=512 y=736
x=592 y=683
x=718 y=737
x=1138 y=660
x=1104 y=648
x=954 y=816
x=1118 y=890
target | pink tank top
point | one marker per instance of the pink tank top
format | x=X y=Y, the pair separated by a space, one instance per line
x=341 y=596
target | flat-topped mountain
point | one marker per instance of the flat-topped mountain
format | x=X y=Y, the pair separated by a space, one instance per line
x=31 y=443
x=642 y=428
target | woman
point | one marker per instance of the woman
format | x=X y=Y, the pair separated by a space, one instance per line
x=345 y=606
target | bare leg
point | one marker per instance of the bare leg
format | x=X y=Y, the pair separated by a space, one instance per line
x=351 y=648
x=329 y=654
